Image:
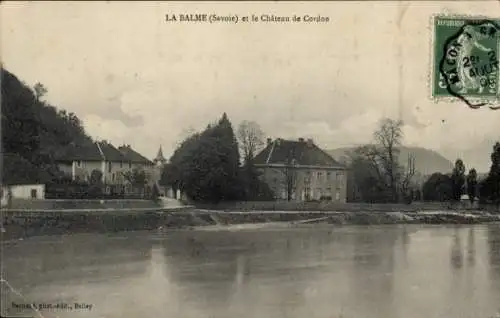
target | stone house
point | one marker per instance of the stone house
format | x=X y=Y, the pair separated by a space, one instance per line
x=301 y=171
x=78 y=162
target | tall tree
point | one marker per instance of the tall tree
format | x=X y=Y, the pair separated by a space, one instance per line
x=251 y=139
x=290 y=175
x=490 y=187
x=389 y=137
x=472 y=185
x=382 y=170
x=458 y=179
x=208 y=164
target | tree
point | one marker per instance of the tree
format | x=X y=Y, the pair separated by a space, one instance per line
x=208 y=164
x=458 y=180
x=95 y=187
x=490 y=187
x=34 y=131
x=137 y=177
x=409 y=172
x=251 y=138
x=472 y=185
x=368 y=183
x=438 y=187
x=375 y=172
x=95 y=177
x=290 y=175
x=388 y=138
x=40 y=91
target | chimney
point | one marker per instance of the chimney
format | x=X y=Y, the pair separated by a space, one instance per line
x=269 y=141
x=310 y=142
x=301 y=139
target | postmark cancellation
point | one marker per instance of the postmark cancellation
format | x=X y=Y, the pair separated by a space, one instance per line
x=466 y=60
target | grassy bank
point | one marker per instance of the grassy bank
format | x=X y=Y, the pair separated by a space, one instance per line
x=322 y=206
x=31 y=204
x=27 y=225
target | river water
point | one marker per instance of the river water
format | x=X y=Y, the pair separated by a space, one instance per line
x=312 y=271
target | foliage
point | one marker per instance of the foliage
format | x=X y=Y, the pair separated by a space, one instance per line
x=490 y=187
x=438 y=187
x=206 y=165
x=472 y=185
x=458 y=180
x=137 y=177
x=33 y=132
x=95 y=177
x=251 y=138
x=375 y=172
x=290 y=176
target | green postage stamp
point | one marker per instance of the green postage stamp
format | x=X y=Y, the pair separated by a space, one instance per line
x=465 y=62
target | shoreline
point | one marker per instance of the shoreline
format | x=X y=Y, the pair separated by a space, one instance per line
x=23 y=224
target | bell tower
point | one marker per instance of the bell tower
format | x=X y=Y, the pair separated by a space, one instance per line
x=160 y=160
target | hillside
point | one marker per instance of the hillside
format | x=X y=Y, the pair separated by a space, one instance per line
x=426 y=161
x=33 y=132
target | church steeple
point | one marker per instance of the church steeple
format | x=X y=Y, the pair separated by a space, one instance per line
x=160 y=160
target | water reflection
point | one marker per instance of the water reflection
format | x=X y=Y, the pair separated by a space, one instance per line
x=456 y=255
x=381 y=272
x=493 y=241
x=471 y=248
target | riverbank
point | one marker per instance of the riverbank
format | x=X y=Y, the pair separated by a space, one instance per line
x=325 y=206
x=23 y=225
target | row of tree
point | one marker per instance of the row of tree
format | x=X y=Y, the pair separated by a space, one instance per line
x=206 y=166
x=451 y=187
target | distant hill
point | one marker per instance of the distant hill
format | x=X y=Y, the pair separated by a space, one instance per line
x=426 y=161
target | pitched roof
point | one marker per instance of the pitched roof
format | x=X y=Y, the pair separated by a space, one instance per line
x=305 y=153
x=87 y=152
x=110 y=152
x=132 y=155
x=101 y=150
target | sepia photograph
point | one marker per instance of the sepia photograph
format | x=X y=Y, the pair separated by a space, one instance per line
x=281 y=159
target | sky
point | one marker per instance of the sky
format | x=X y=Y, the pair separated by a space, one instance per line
x=134 y=78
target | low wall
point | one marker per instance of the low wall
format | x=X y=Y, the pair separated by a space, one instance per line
x=321 y=206
x=30 y=204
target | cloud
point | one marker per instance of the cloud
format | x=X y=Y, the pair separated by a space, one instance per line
x=133 y=78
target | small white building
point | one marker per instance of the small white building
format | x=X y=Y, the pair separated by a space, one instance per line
x=22 y=191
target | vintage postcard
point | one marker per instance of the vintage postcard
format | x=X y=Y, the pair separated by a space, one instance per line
x=250 y=159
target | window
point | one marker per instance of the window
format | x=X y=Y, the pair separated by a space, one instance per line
x=121 y=164
x=33 y=193
x=78 y=163
x=130 y=165
x=113 y=177
x=328 y=174
x=109 y=167
x=339 y=179
x=337 y=196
